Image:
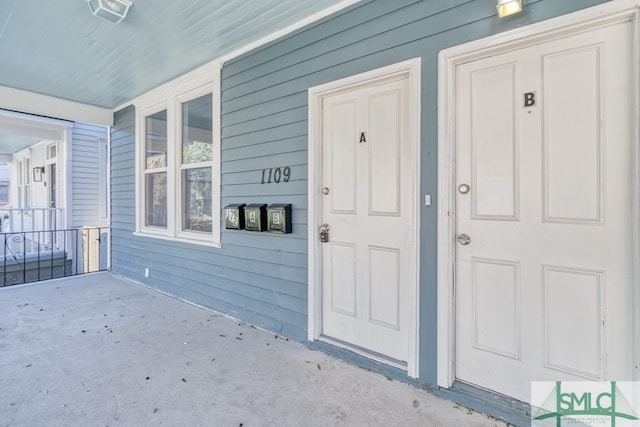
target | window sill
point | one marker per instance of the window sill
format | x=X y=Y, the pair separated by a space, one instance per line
x=207 y=243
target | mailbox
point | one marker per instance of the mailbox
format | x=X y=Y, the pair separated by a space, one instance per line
x=234 y=216
x=279 y=218
x=255 y=217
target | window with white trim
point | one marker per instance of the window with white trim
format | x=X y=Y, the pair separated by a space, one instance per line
x=4 y=193
x=23 y=175
x=178 y=163
x=196 y=165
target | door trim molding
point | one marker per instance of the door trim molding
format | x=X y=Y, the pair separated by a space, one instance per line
x=316 y=94
x=587 y=19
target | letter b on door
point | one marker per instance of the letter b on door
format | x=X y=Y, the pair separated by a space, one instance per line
x=529 y=99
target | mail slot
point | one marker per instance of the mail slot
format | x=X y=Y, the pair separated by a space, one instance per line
x=255 y=217
x=234 y=216
x=279 y=218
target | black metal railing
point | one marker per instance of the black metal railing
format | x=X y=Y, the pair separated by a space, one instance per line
x=31 y=256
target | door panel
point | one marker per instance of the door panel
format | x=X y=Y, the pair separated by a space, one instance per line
x=494 y=148
x=367 y=267
x=544 y=288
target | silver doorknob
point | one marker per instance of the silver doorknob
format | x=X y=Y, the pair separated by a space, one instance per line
x=464 y=188
x=463 y=239
x=325 y=190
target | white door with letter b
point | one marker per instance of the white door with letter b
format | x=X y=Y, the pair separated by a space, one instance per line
x=543 y=278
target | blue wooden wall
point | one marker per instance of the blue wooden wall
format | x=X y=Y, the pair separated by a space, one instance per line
x=262 y=278
x=87 y=189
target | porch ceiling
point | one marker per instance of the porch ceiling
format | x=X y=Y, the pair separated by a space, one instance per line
x=18 y=131
x=10 y=144
x=58 y=48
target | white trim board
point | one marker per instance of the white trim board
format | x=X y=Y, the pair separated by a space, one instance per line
x=411 y=68
x=594 y=17
x=43 y=105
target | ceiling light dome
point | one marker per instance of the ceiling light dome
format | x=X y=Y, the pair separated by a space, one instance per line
x=110 y=10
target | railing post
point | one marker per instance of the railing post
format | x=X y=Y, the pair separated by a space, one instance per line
x=4 y=262
x=25 y=256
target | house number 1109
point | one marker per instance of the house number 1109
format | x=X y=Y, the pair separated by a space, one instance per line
x=276 y=175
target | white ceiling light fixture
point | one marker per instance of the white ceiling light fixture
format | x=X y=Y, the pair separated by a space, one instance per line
x=110 y=10
x=509 y=7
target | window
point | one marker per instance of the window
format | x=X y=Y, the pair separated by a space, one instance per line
x=197 y=157
x=23 y=175
x=20 y=181
x=155 y=173
x=4 y=193
x=52 y=150
x=178 y=157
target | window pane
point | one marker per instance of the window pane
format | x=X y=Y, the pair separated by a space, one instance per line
x=156 y=140
x=4 y=193
x=156 y=199
x=27 y=172
x=196 y=187
x=196 y=130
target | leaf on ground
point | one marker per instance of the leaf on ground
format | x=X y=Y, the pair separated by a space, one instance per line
x=319 y=368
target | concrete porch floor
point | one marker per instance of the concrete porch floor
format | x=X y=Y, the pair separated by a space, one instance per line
x=96 y=350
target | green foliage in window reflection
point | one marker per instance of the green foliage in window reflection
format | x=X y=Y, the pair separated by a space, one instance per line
x=196 y=152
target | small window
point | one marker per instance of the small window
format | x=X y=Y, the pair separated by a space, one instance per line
x=4 y=193
x=52 y=151
x=155 y=174
x=197 y=156
x=23 y=177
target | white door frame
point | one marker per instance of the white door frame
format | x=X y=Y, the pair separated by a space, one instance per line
x=410 y=68
x=591 y=18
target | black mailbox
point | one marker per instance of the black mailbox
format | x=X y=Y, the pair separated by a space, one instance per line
x=279 y=218
x=234 y=216
x=255 y=217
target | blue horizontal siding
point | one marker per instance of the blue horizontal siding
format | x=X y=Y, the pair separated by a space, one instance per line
x=264 y=283
x=262 y=278
x=85 y=179
x=264 y=97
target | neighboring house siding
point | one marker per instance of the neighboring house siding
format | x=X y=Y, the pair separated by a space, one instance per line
x=262 y=278
x=85 y=174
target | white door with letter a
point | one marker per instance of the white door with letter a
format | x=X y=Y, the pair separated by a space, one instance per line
x=368 y=264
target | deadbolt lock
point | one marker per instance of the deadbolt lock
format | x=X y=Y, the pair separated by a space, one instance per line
x=324 y=233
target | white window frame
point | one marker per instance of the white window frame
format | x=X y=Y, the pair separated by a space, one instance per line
x=24 y=180
x=170 y=97
x=185 y=234
x=7 y=186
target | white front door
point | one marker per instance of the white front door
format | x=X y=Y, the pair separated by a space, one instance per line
x=368 y=263
x=544 y=146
